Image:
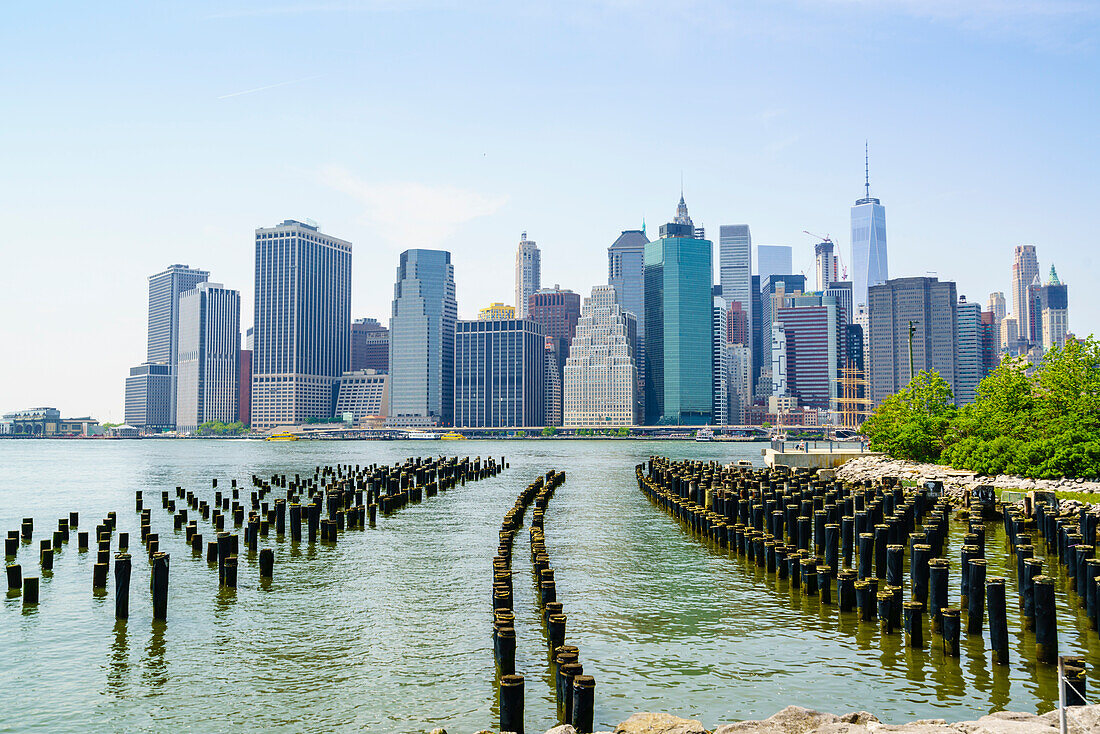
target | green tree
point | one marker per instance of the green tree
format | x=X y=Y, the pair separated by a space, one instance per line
x=549 y=431
x=914 y=423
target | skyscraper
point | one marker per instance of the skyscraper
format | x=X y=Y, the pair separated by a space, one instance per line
x=931 y=305
x=773 y=260
x=208 y=367
x=968 y=352
x=735 y=266
x=774 y=292
x=626 y=272
x=869 y=261
x=528 y=273
x=826 y=265
x=813 y=331
x=601 y=380
x=1025 y=269
x=1054 y=298
x=370 y=346
x=165 y=288
x=500 y=373
x=988 y=339
x=148 y=397
x=679 y=350
x=558 y=310
x=996 y=304
x=303 y=322
x=720 y=362
x=422 y=334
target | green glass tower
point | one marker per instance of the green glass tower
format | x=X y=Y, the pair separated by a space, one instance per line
x=678 y=302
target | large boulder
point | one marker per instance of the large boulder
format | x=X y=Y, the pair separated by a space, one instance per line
x=659 y=724
x=798 y=720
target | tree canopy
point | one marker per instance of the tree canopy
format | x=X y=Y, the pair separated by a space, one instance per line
x=1045 y=424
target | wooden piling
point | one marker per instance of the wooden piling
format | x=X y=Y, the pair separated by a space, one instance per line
x=584 y=693
x=122 y=586
x=1046 y=628
x=951 y=631
x=30 y=590
x=998 y=619
x=267 y=563
x=511 y=703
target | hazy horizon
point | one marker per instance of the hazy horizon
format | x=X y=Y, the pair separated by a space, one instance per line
x=140 y=135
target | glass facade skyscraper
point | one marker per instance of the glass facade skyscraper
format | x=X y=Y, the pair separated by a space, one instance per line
x=303 y=323
x=500 y=373
x=626 y=271
x=678 y=313
x=528 y=273
x=422 y=340
x=164 y=295
x=773 y=260
x=869 y=262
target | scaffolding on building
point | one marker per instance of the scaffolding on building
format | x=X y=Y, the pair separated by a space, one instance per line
x=853 y=405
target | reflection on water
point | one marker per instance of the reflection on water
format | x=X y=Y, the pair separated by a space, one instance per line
x=391 y=628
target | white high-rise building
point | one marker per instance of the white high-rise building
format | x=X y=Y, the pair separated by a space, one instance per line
x=968 y=354
x=528 y=273
x=779 y=359
x=601 y=377
x=869 y=261
x=720 y=358
x=209 y=361
x=996 y=304
x=1025 y=270
x=826 y=265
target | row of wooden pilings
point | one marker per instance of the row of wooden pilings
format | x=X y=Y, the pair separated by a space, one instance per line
x=348 y=494
x=818 y=534
x=575 y=692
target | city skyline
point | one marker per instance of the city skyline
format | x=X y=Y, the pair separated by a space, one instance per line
x=163 y=137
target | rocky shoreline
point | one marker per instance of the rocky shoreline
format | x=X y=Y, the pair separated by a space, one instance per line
x=955 y=481
x=798 y=720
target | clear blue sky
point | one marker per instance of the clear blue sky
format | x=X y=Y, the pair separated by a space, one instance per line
x=141 y=134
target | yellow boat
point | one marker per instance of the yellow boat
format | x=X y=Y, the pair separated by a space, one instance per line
x=452 y=436
x=282 y=437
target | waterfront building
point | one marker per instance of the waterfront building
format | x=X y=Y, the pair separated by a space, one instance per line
x=302 y=323
x=720 y=363
x=601 y=378
x=363 y=396
x=869 y=260
x=555 y=375
x=931 y=305
x=165 y=288
x=812 y=339
x=773 y=260
x=739 y=383
x=626 y=272
x=209 y=367
x=46 y=423
x=528 y=273
x=679 y=349
x=422 y=340
x=149 y=397
x=826 y=265
x=774 y=292
x=244 y=387
x=1054 y=301
x=968 y=351
x=496 y=312
x=500 y=374
x=370 y=346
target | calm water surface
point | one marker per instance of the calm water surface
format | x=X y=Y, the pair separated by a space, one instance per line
x=390 y=629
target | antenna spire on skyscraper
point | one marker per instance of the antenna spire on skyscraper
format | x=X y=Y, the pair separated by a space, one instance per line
x=866 y=171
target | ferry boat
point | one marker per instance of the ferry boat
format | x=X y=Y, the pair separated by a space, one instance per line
x=452 y=436
x=704 y=434
x=422 y=436
x=286 y=436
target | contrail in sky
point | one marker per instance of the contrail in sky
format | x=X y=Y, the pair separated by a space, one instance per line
x=270 y=86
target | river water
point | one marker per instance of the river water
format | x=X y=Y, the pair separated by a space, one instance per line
x=389 y=630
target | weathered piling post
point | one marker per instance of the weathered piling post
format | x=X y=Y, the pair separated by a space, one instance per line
x=267 y=563
x=895 y=555
x=584 y=694
x=1033 y=568
x=160 y=586
x=82 y=540
x=846 y=590
x=15 y=577
x=866 y=556
x=506 y=650
x=11 y=544
x=314 y=518
x=914 y=623
x=885 y=613
x=511 y=703
x=231 y=572
x=1046 y=629
x=295 y=522
x=26 y=529
x=30 y=590
x=951 y=630
x=45 y=553
x=998 y=619
x=566 y=674
x=122 y=586
x=976 y=602
x=99 y=576
x=1071 y=680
